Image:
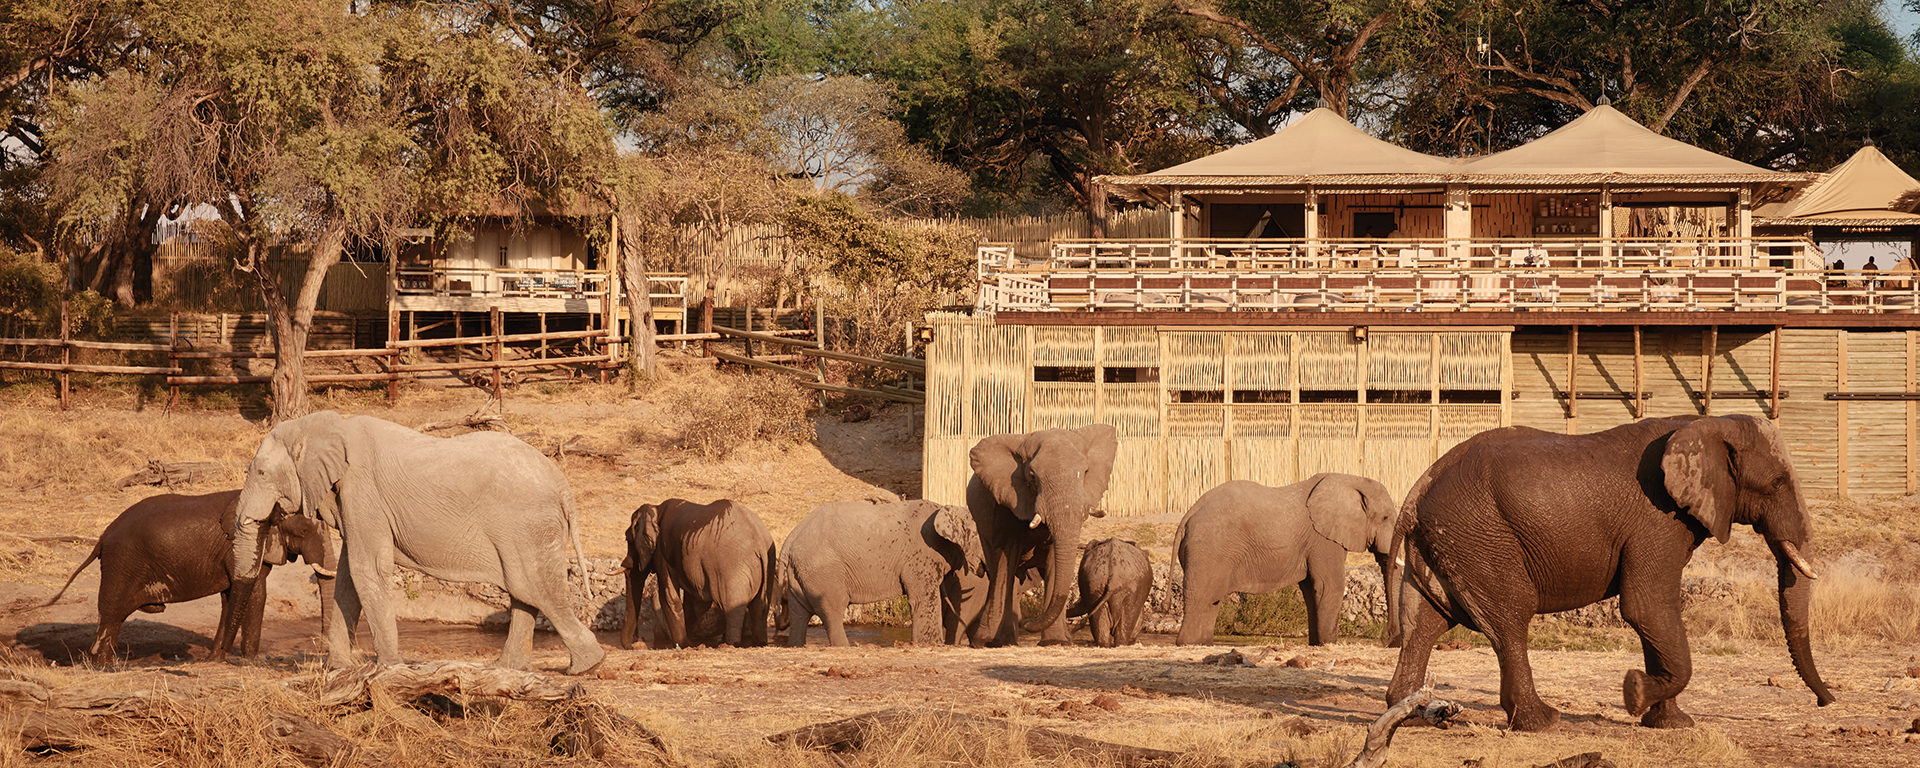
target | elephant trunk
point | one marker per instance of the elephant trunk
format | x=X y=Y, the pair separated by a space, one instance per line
x=1390 y=575
x=246 y=547
x=1794 y=615
x=1065 y=530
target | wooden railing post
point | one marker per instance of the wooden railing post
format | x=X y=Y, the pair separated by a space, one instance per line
x=493 y=316
x=706 y=319
x=748 y=341
x=173 y=360
x=66 y=353
x=820 y=338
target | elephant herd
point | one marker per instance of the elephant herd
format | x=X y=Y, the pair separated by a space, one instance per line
x=1511 y=523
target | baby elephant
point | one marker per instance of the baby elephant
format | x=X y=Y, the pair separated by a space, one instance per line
x=172 y=548
x=1115 y=579
x=1249 y=538
x=710 y=562
x=848 y=552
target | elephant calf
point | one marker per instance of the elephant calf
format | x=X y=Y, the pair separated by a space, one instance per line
x=1246 y=537
x=1115 y=580
x=172 y=548
x=848 y=552
x=706 y=560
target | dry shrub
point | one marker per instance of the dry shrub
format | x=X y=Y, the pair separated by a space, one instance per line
x=743 y=409
x=1851 y=600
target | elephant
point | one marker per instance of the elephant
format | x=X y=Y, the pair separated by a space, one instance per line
x=1515 y=522
x=848 y=552
x=480 y=507
x=1242 y=536
x=707 y=561
x=1031 y=493
x=1115 y=581
x=172 y=548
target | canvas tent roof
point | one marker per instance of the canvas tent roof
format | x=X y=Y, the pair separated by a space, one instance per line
x=1602 y=146
x=1867 y=187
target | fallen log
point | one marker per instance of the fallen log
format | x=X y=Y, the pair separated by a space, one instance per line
x=477 y=420
x=345 y=687
x=44 y=731
x=168 y=473
x=853 y=734
x=1422 y=704
x=308 y=741
x=576 y=446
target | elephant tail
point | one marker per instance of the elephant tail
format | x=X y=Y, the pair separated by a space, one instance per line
x=91 y=556
x=772 y=589
x=571 y=511
x=778 y=603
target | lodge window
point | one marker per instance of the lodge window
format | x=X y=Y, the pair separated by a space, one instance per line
x=1420 y=396
x=1262 y=396
x=1066 y=373
x=1373 y=224
x=1130 y=375
x=1197 y=396
x=1329 y=396
x=1469 y=397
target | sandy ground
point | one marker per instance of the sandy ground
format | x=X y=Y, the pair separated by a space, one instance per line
x=1301 y=703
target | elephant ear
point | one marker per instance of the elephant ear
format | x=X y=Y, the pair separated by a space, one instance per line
x=955 y=524
x=318 y=446
x=1101 y=443
x=1698 y=466
x=1338 y=511
x=273 y=549
x=997 y=462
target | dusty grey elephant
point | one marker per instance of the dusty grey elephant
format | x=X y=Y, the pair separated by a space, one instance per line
x=1029 y=496
x=848 y=552
x=173 y=548
x=1516 y=522
x=712 y=565
x=1242 y=536
x=1115 y=580
x=480 y=507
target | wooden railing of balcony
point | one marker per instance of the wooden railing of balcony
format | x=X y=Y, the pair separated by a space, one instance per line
x=433 y=280
x=1592 y=274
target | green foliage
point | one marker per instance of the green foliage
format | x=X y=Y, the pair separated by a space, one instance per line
x=29 y=293
x=881 y=273
x=1276 y=614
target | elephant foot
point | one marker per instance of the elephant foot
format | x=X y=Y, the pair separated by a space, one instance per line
x=1053 y=641
x=584 y=663
x=1633 y=692
x=516 y=662
x=1534 y=719
x=1666 y=714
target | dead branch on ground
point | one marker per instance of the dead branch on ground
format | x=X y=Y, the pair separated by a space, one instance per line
x=170 y=474
x=853 y=734
x=1421 y=704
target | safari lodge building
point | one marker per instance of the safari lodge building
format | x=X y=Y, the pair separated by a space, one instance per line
x=1327 y=301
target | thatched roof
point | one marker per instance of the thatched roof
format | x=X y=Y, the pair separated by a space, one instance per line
x=1866 y=190
x=1322 y=149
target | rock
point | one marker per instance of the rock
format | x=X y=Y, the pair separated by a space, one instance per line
x=1297 y=662
x=1915 y=727
x=1911 y=671
x=1107 y=702
x=1296 y=726
x=1228 y=659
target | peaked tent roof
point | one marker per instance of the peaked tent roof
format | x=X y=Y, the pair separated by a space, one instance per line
x=1605 y=141
x=1320 y=144
x=1867 y=185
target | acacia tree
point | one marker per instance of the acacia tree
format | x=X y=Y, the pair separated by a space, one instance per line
x=307 y=127
x=1262 y=59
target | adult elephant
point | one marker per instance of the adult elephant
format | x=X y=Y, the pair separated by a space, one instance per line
x=172 y=548
x=1516 y=522
x=480 y=507
x=1246 y=537
x=848 y=552
x=712 y=564
x=1032 y=493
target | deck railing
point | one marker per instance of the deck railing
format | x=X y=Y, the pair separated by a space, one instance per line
x=432 y=280
x=1587 y=274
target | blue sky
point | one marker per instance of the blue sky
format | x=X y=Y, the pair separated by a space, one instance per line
x=1904 y=20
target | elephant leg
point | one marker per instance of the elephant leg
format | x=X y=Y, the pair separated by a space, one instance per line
x=833 y=614
x=674 y=612
x=925 y=599
x=369 y=557
x=1649 y=605
x=1423 y=625
x=798 y=615
x=1127 y=624
x=1323 y=589
x=755 y=633
x=345 y=617
x=1504 y=613
x=542 y=586
x=1202 y=609
x=224 y=631
x=1100 y=623
x=518 y=652
x=106 y=636
x=736 y=616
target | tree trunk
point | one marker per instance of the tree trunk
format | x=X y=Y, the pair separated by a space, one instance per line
x=633 y=281
x=291 y=323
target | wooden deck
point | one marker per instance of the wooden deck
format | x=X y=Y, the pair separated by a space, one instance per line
x=458 y=289
x=1590 y=278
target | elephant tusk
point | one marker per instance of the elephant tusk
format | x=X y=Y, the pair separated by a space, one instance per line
x=1034 y=523
x=617 y=571
x=1799 y=563
x=322 y=572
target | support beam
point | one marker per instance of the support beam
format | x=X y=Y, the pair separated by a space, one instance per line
x=1913 y=414
x=1573 y=379
x=1639 y=377
x=1840 y=422
x=1773 y=377
x=1709 y=346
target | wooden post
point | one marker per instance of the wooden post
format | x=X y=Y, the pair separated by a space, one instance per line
x=1639 y=377
x=1709 y=344
x=1096 y=211
x=66 y=353
x=1573 y=379
x=542 y=354
x=748 y=341
x=706 y=318
x=1840 y=423
x=493 y=315
x=173 y=361
x=393 y=321
x=820 y=337
x=1773 y=380
x=1913 y=469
